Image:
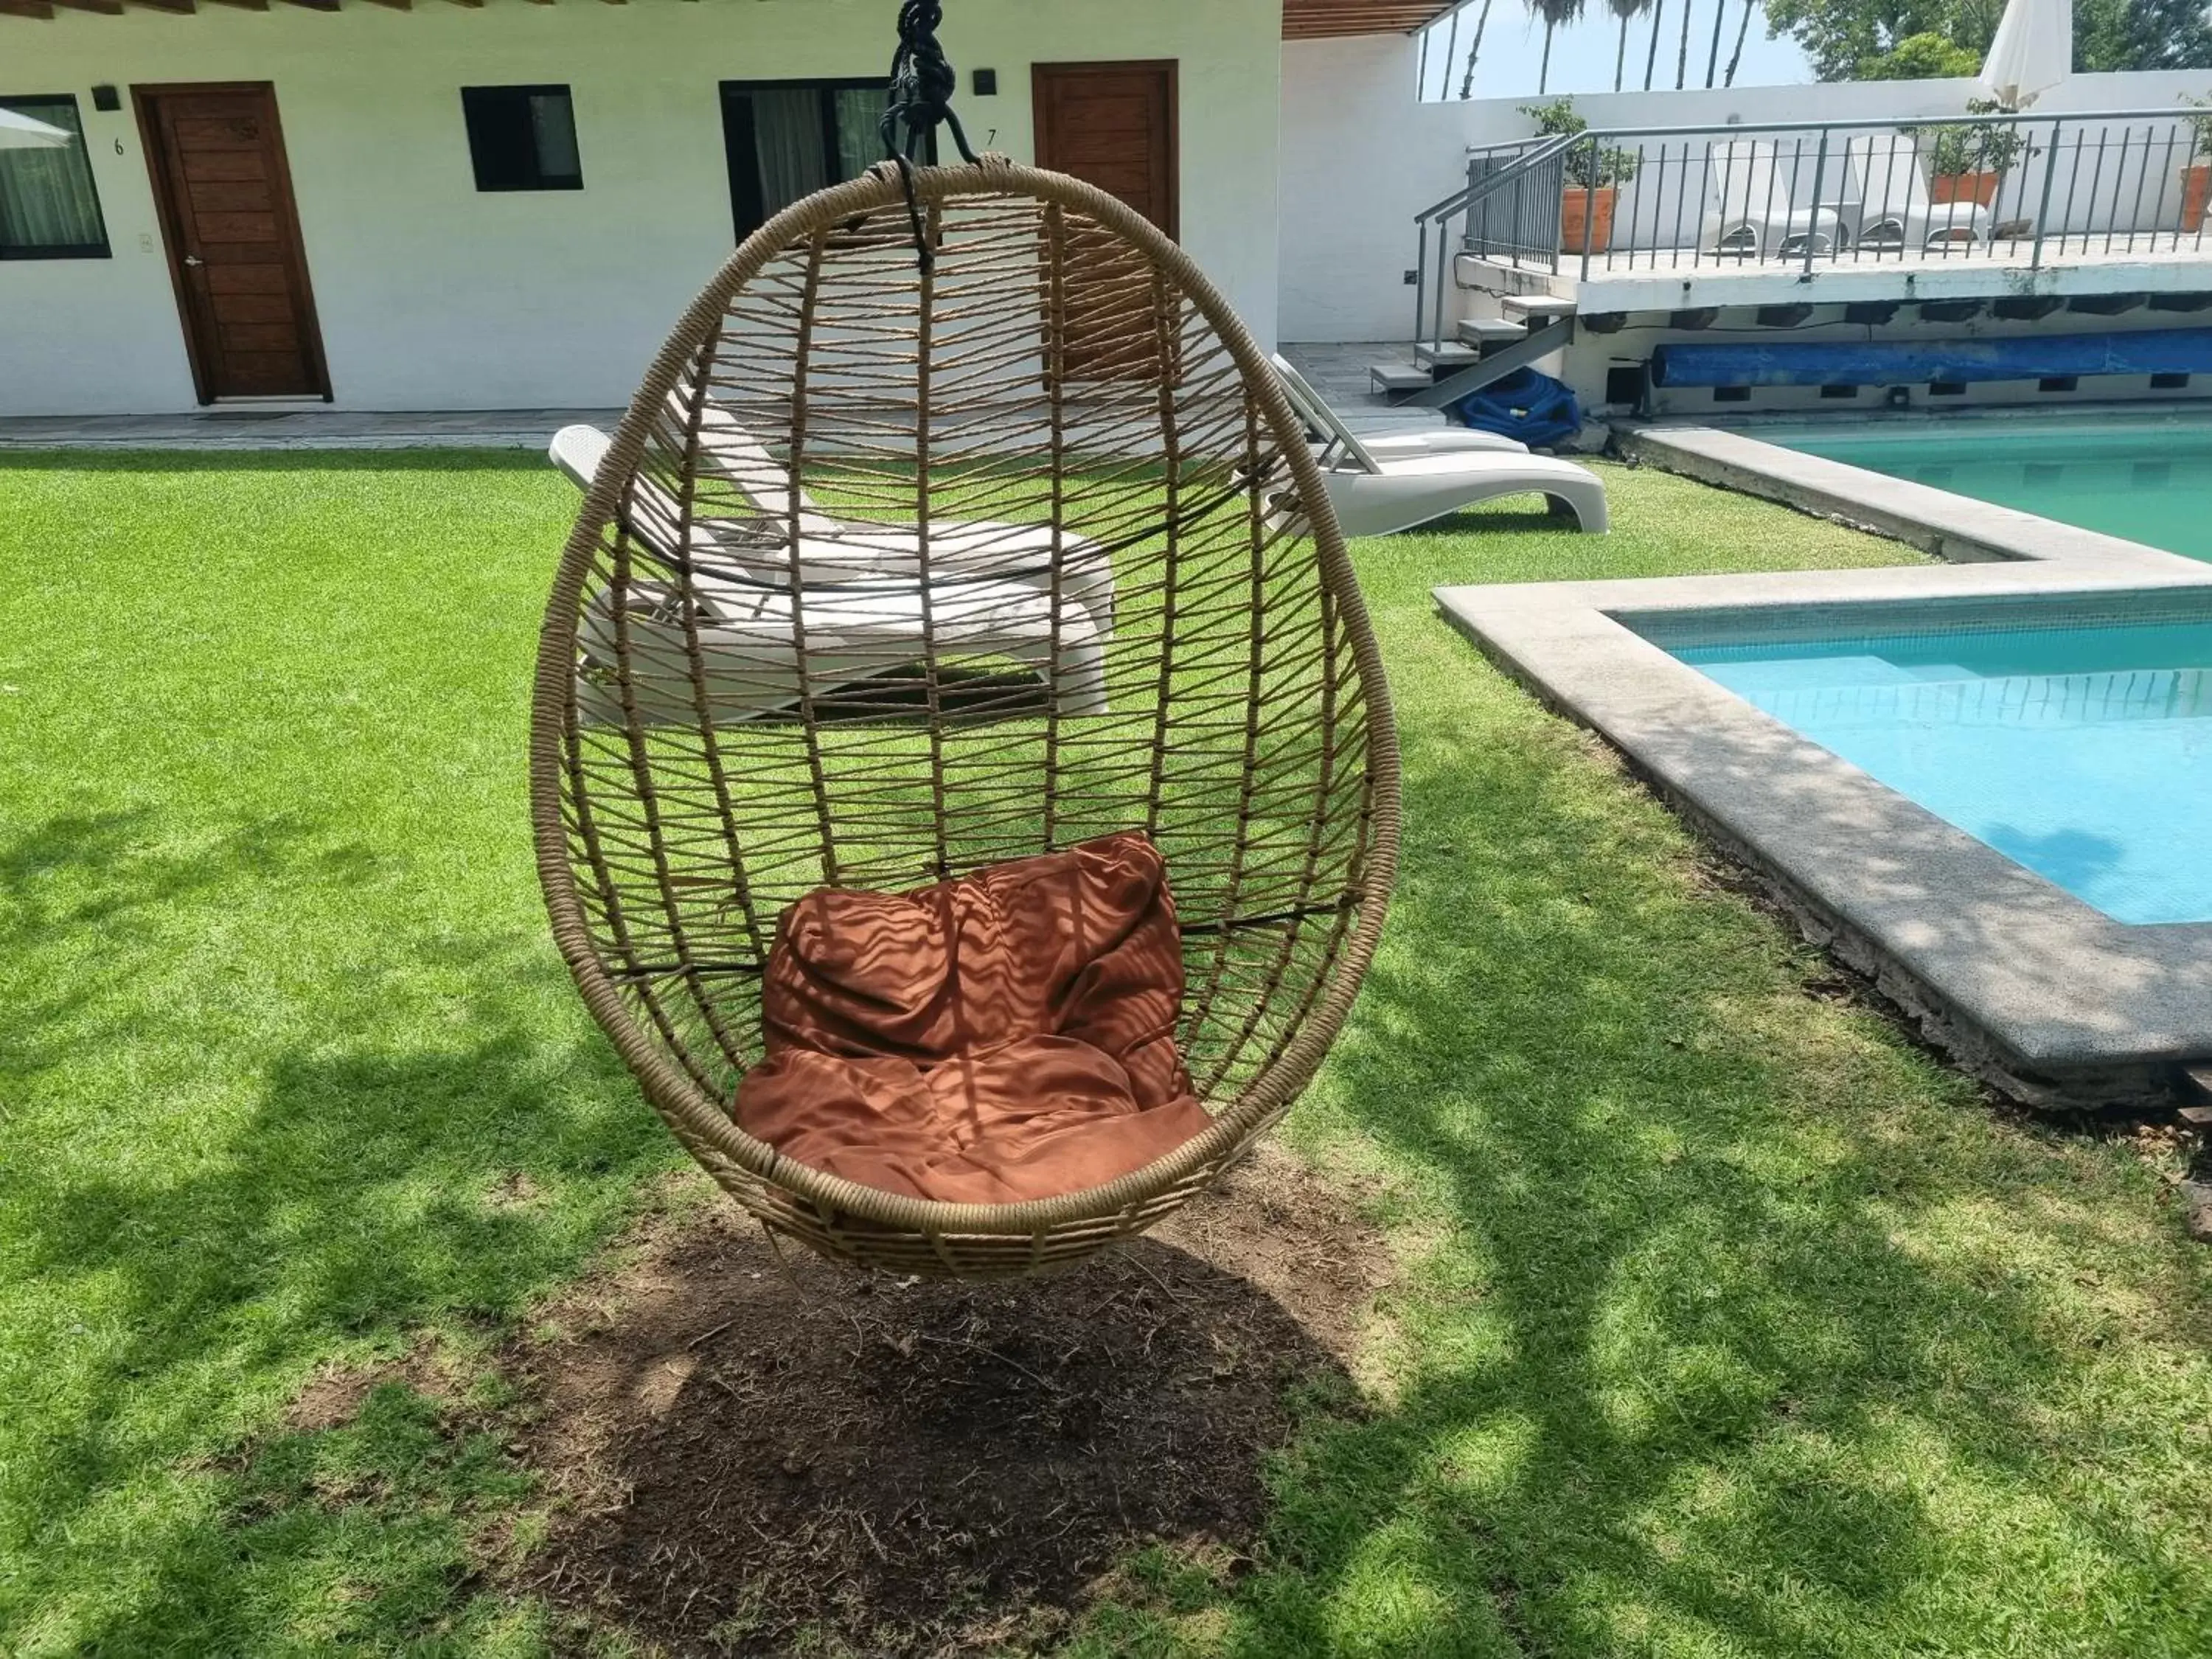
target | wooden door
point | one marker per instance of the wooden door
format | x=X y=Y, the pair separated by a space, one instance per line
x=224 y=196
x=1112 y=125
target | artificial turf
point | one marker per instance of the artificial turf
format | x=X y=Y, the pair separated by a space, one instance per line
x=1728 y=1321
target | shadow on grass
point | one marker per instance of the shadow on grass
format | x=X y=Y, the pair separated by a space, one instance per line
x=370 y=1187
x=1697 y=1368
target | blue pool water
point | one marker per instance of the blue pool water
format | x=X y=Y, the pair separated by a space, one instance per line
x=2084 y=753
x=2147 y=477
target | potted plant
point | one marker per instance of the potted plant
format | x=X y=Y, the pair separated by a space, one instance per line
x=1593 y=176
x=1967 y=162
x=2197 y=171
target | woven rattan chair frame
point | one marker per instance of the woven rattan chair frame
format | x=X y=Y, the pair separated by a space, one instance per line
x=1247 y=676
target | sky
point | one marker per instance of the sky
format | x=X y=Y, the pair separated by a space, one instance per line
x=1582 y=52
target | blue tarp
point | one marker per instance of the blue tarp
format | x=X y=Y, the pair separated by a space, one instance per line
x=1911 y=362
x=1531 y=407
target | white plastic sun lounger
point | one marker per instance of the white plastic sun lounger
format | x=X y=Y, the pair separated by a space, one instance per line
x=1748 y=210
x=1337 y=441
x=841 y=550
x=1411 y=490
x=1376 y=492
x=1896 y=213
x=748 y=620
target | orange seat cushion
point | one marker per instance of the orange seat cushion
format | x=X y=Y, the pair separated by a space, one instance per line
x=1006 y=1037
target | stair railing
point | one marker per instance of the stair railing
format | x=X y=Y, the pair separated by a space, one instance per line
x=1510 y=189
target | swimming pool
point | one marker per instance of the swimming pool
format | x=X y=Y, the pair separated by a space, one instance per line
x=2147 y=478
x=2082 y=750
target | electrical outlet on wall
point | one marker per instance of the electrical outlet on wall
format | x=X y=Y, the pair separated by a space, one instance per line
x=145 y=241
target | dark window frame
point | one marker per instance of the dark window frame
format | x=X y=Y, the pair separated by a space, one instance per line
x=740 y=150
x=103 y=249
x=481 y=105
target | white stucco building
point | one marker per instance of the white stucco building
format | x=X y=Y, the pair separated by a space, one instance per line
x=300 y=201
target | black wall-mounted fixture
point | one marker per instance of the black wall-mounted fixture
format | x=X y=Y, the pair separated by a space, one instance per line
x=987 y=84
x=106 y=98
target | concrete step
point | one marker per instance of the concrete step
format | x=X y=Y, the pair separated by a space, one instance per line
x=1447 y=357
x=1535 y=308
x=1489 y=334
x=1398 y=377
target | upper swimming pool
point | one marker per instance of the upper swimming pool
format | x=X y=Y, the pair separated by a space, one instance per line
x=2147 y=478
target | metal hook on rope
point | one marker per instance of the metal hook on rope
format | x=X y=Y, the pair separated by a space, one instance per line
x=919 y=99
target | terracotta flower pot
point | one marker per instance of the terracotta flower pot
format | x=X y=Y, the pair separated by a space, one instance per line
x=2195 y=195
x=1584 y=212
x=1979 y=188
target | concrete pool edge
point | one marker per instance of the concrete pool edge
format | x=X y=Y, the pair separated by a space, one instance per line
x=2022 y=983
x=1958 y=529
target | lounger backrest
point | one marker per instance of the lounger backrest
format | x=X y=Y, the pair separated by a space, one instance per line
x=1312 y=409
x=650 y=512
x=653 y=516
x=744 y=459
x=1747 y=184
x=1885 y=176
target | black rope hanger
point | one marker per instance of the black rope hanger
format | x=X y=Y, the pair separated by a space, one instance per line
x=918 y=102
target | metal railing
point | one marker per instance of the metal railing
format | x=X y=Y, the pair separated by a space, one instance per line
x=2025 y=189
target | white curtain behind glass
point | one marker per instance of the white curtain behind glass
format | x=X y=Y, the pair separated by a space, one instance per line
x=46 y=199
x=787 y=137
x=859 y=118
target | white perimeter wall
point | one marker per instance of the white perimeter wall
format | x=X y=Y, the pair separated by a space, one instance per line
x=432 y=295
x=1361 y=157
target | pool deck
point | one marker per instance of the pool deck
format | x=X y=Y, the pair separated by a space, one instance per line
x=2023 y=983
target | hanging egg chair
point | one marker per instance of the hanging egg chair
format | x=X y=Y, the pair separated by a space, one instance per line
x=900 y=568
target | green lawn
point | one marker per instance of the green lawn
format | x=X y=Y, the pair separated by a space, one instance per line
x=1729 y=1323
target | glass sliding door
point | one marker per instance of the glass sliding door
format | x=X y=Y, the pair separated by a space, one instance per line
x=785 y=139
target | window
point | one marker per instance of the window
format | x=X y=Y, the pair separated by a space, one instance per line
x=522 y=138
x=787 y=139
x=48 y=207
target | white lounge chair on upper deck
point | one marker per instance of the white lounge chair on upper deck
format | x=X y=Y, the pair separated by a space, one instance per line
x=1896 y=213
x=1748 y=210
x=1377 y=489
x=727 y=622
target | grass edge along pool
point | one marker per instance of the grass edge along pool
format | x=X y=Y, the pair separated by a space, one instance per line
x=2072 y=733
x=2145 y=477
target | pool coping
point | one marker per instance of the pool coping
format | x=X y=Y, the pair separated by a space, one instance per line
x=2023 y=983
x=1958 y=529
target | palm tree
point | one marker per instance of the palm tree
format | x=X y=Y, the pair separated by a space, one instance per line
x=1554 y=13
x=1741 y=29
x=1481 y=22
x=1682 y=57
x=1625 y=9
x=1451 y=52
x=1651 y=57
x=1713 y=57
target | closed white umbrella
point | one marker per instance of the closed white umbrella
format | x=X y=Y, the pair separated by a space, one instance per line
x=2032 y=53
x=21 y=132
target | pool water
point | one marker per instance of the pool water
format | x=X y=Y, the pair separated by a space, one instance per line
x=2146 y=477
x=2084 y=753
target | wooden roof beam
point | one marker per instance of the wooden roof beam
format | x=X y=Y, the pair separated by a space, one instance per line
x=1310 y=20
x=42 y=10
